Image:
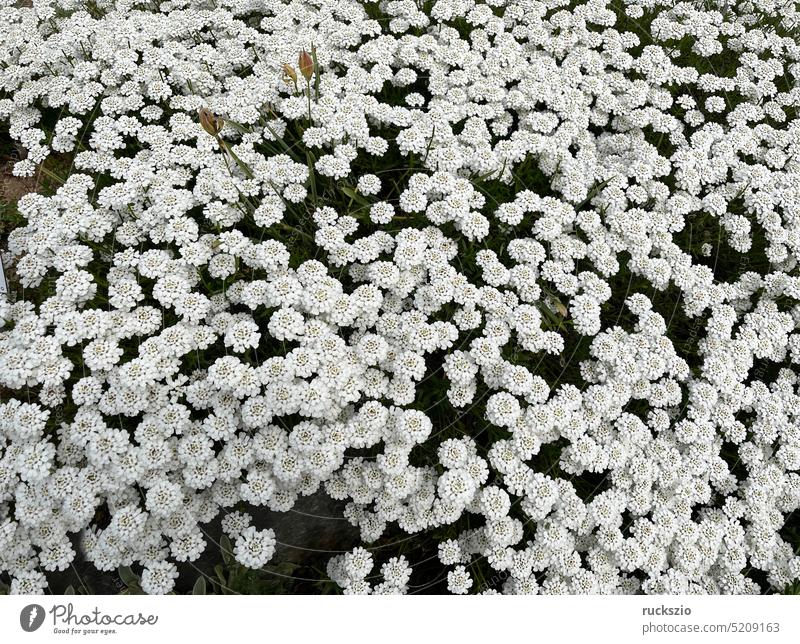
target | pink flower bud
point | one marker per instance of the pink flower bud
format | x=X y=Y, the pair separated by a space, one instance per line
x=210 y=122
x=306 y=65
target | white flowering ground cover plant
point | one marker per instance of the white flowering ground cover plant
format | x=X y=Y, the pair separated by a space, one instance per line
x=513 y=282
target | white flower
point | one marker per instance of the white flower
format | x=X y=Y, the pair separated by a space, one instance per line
x=159 y=578
x=254 y=548
x=454 y=234
x=459 y=581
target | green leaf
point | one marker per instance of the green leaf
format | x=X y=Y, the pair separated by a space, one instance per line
x=311 y=178
x=283 y=144
x=127 y=576
x=226 y=547
x=199 y=587
x=792 y=589
x=316 y=70
x=353 y=194
x=287 y=568
x=430 y=143
x=223 y=581
x=69 y=590
x=491 y=174
x=238 y=126
x=593 y=193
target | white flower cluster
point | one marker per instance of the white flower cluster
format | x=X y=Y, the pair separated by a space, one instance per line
x=350 y=571
x=354 y=278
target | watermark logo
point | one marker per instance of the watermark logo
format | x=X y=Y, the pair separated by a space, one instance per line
x=31 y=617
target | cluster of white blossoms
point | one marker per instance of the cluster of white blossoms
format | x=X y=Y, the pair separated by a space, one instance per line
x=351 y=569
x=353 y=274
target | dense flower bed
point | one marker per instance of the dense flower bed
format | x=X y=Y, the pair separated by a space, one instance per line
x=517 y=274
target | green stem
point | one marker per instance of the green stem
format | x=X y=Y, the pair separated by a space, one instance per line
x=244 y=167
x=308 y=97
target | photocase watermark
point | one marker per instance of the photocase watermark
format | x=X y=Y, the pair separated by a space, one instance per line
x=66 y=620
x=31 y=617
x=497 y=579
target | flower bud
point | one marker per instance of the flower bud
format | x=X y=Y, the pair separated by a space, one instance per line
x=289 y=74
x=306 y=65
x=210 y=122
